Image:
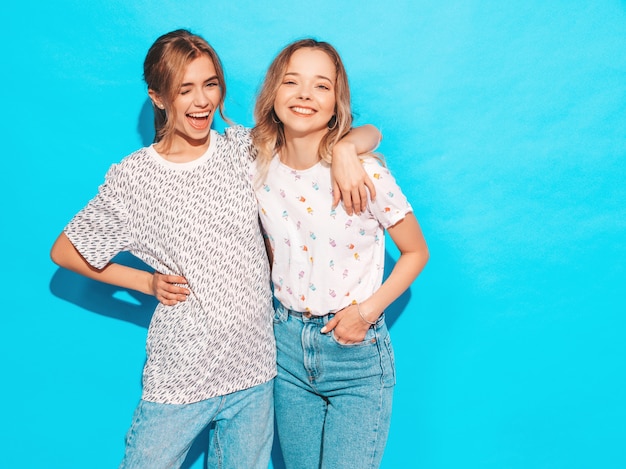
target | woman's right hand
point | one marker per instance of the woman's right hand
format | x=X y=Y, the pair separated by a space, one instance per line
x=167 y=289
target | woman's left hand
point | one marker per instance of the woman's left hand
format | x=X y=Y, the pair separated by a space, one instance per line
x=348 y=325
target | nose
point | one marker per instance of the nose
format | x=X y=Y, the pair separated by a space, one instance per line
x=304 y=93
x=200 y=98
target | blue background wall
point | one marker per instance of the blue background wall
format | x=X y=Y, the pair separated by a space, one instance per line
x=504 y=122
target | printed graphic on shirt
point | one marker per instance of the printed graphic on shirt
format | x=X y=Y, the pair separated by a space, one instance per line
x=325 y=259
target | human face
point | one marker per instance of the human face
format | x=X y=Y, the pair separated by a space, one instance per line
x=195 y=104
x=305 y=100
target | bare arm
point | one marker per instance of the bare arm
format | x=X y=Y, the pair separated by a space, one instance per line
x=349 y=178
x=348 y=324
x=64 y=254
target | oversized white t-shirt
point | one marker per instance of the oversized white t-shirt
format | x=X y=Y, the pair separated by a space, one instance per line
x=199 y=220
x=324 y=259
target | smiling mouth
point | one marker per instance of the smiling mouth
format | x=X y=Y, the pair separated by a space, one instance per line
x=303 y=110
x=199 y=120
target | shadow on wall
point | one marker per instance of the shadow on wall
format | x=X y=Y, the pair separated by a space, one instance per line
x=104 y=299
x=137 y=308
x=145 y=124
x=393 y=312
x=134 y=307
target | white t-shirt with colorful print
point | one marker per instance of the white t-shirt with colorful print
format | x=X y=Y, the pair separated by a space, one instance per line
x=324 y=259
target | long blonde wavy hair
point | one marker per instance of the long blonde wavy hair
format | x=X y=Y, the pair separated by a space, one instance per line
x=268 y=136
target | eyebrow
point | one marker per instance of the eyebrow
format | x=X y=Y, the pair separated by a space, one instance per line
x=214 y=77
x=316 y=76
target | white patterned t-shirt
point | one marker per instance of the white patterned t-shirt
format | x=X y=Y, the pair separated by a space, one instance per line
x=324 y=259
x=199 y=220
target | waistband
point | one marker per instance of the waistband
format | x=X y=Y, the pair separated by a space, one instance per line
x=305 y=314
x=308 y=316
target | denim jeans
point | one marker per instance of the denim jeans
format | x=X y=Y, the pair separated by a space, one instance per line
x=161 y=434
x=332 y=401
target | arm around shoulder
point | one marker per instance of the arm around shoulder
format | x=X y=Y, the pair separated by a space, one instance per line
x=349 y=179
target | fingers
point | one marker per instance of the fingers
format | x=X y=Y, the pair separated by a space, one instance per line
x=347 y=326
x=167 y=302
x=171 y=283
x=170 y=299
x=348 y=203
x=173 y=279
x=167 y=289
x=363 y=196
x=372 y=189
x=330 y=325
x=360 y=195
x=359 y=202
x=172 y=289
x=336 y=195
x=355 y=198
x=348 y=339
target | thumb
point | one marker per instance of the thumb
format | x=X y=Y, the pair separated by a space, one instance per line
x=330 y=325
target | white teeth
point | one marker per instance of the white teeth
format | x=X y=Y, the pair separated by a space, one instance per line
x=198 y=115
x=302 y=110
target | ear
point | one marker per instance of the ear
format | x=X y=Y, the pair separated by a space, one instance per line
x=155 y=99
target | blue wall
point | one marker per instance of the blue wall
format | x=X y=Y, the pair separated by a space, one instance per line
x=504 y=122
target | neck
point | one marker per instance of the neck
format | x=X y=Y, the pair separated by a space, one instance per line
x=183 y=150
x=301 y=152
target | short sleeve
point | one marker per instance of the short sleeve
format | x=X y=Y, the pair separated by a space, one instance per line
x=241 y=137
x=100 y=230
x=390 y=205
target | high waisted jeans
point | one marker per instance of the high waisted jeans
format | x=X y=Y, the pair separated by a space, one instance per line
x=332 y=401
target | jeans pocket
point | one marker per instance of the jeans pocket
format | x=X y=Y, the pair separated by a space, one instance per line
x=281 y=314
x=375 y=333
x=370 y=339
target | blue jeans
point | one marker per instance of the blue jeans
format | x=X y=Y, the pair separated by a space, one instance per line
x=332 y=401
x=161 y=434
